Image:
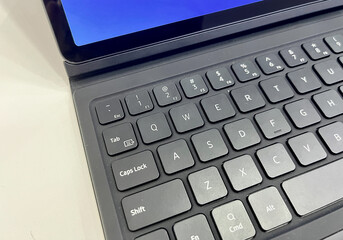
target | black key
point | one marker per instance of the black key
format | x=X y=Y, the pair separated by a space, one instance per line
x=316 y=50
x=248 y=98
x=330 y=103
x=120 y=139
x=207 y=185
x=194 y=86
x=194 y=228
x=217 y=108
x=134 y=170
x=160 y=234
x=307 y=148
x=154 y=128
x=209 y=145
x=242 y=172
x=272 y=123
x=155 y=204
x=186 y=117
x=333 y=136
x=294 y=56
x=316 y=189
x=335 y=43
x=304 y=80
x=269 y=208
x=340 y=60
x=341 y=89
x=109 y=110
x=275 y=160
x=245 y=71
x=175 y=156
x=302 y=113
x=329 y=71
x=277 y=89
x=139 y=103
x=242 y=134
x=167 y=94
x=220 y=78
x=270 y=64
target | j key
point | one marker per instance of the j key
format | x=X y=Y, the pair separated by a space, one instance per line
x=307 y=148
x=120 y=139
x=186 y=117
x=145 y=208
x=269 y=208
x=242 y=172
x=294 y=56
x=233 y=221
x=194 y=228
x=302 y=113
x=160 y=234
x=316 y=50
x=270 y=64
x=272 y=123
x=154 y=128
x=139 y=103
x=134 y=170
x=329 y=71
x=217 y=108
x=304 y=80
x=335 y=43
x=333 y=136
x=109 y=110
x=277 y=89
x=330 y=103
x=194 y=86
x=220 y=78
x=245 y=71
x=248 y=98
x=167 y=94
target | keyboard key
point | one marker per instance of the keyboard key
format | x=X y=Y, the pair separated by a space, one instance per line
x=134 y=170
x=270 y=64
x=148 y=207
x=120 y=139
x=294 y=56
x=160 y=234
x=302 y=113
x=316 y=189
x=167 y=94
x=154 y=128
x=304 y=80
x=333 y=136
x=242 y=134
x=272 y=123
x=220 y=78
x=316 y=50
x=217 y=108
x=186 y=117
x=330 y=103
x=248 y=98
x=175 y=156
x=233 y=222
x=307 y=148
x=193 y=86
x=329 y=71
x=139 y=103
x=209 y=145
x=341 y=90
x=340 y=60
x=275 y=160
x=269 y=208
x=242 y=172
x=207 y=185
x=109 y=110
x=245 y=71
x=335 y=43
x=276 y=89
x=194 y=228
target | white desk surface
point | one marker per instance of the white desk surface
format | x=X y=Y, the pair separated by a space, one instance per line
x=45 y=187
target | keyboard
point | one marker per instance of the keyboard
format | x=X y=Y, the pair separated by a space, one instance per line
x=248 y=149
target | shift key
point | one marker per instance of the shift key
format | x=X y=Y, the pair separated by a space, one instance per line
x=155 y=204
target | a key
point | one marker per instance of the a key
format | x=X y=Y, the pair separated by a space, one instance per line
x=330 y=72
x=160 y=234
x=245 y=71
x=248 y=98
x=207 y=185
x=276 y=89
x=218 y=108
x=166 y=94
x=335 y=43
x=316 y=50
x=270 y=64
x=193 y=228
x=186 y=117
x=294 y=56
x=302 y=113
x=242 y=172
x=333 y=136
x=307 y=148
x=220 y=78
x=193 y=86
x=330 y=103
x=304 y=80
x=139 y=102
x=109 y=110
